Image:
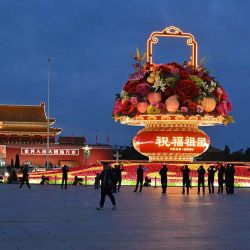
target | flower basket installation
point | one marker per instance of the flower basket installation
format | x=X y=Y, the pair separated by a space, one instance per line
x=171 y=101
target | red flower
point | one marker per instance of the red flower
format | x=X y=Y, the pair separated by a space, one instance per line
x=169 y=91
x=186 y=90
x=184 y=74
x=137 y=75
x=130 y=87
x=224 y=96
x=192 y=106
x=142 y=88
x=117 y=107
x=127 y=107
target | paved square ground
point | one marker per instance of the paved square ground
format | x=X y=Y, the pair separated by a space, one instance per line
x=47 y=217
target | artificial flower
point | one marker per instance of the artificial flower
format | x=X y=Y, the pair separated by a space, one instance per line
x=127 y=107
x=117 y=107
x=199 y=109
x=133 y=100
x=142 y=88
x=184 y=109
x=192 y=106
x=130 y=87
x=186 y=90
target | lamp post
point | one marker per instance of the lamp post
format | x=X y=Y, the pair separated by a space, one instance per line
x=48 y=115
x=117 y=156
x=86 y=151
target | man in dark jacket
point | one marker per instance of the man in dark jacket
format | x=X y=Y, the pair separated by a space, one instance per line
x=65 y=171
x=211 y=171
x=139 y=179
x=25 y=171
x=107 y=183
x=229 y=178
x=201 y=178
x=185 y=180
x=164 y=179
x=221 y=173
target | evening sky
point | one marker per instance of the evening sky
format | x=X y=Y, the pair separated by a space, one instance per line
x=90 y=42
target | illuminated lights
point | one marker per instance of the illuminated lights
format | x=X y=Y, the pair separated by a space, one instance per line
x=166 y=141
x=173 y=32
x=171 y=137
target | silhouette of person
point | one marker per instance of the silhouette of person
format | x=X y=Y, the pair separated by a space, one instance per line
x=221 y=174
x=97 y=181
x=139 y=179
x=164 y=179
x=229 y=178
x=185 y=179
x=43 y=180
x=65 y=170
x=107 y=180
x=25 y=179
x=119 y=176
x=232 y=173
x=114 y=171
x=201 y=179
x=75 y=183
x=211 y=171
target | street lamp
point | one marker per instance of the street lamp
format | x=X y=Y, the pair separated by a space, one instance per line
x=86 y=151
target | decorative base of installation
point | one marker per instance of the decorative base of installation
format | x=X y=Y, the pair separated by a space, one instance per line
x=171 y=138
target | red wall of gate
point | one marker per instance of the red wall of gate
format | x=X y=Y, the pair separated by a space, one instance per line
x=96 y=153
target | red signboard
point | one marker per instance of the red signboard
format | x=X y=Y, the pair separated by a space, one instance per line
x=171 y=141
x=52 y=151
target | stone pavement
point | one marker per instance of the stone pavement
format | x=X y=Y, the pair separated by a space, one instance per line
x=47 y=217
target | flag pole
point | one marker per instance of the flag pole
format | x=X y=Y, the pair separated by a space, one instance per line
x=48 y=116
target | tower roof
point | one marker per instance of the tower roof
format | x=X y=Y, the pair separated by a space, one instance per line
x=23 y=113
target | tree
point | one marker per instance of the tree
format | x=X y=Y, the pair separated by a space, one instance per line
x=247 y=154
x=17 y=161
x=12 y=163
x=227 y=151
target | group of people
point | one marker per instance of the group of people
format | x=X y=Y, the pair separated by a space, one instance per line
x=116 y=175
x=109 y=180
x=225 y=175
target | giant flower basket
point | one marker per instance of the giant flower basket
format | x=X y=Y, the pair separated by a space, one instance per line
x=171 y=101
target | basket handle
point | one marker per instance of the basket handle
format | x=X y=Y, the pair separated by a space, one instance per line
x=173 y=32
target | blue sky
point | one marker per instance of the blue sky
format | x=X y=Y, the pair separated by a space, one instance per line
x=90 y=44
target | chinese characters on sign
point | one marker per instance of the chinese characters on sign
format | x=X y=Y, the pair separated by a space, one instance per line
x=176 y=143
x=40 y=151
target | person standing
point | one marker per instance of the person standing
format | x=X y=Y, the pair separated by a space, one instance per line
x=164 y=179
x=201 y=179
x=221 y=174
x=232 y=178
x=185 y=179
x=115 y=178
x=211 y=171
x=119 y=176
x=65 y=170
x=25 y=179
x=139 y=179
x=229 y=178
x=107 y=184
x=97 y=181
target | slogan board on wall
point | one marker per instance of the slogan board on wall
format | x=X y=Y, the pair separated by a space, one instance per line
x=52 y=151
